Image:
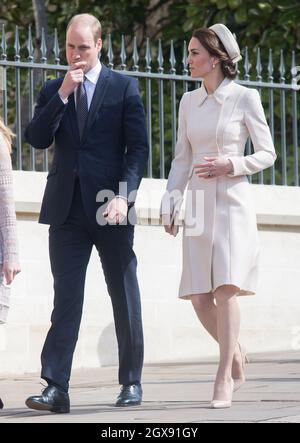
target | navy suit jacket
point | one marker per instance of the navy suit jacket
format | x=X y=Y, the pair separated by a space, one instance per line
x=113 y=148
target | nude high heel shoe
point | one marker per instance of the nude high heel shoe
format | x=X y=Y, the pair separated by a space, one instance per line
x=223 y=404
x=238 y=382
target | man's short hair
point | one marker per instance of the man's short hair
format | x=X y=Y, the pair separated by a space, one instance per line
x=89 y=20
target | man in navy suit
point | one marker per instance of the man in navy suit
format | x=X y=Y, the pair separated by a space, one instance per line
x=96 y=119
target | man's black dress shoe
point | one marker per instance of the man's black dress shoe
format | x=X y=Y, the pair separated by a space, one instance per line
x=1 y=404
x=52 y=399
x=130 y=395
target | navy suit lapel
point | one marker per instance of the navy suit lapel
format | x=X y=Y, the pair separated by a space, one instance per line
x=97 y=100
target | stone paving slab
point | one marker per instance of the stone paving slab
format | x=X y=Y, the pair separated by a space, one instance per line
x=173 y=393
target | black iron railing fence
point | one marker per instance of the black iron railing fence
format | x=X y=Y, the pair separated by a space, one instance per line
x=162 y=83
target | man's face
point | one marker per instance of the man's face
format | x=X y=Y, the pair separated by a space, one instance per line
x=81 y=46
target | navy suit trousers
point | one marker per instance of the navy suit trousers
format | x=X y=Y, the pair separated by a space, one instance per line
x=70 y=246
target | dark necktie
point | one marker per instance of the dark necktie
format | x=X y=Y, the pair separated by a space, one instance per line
x=81 y=107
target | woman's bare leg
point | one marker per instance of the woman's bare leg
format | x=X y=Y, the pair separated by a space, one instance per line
x=206 y=311
x=228 y=329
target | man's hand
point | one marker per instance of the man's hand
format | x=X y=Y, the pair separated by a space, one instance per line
x=116 y=210
x=73 y=77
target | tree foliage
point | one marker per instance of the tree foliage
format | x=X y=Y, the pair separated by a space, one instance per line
x=265 y=23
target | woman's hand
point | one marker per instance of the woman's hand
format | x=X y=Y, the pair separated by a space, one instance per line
x=166 y=221
x=10 y=270
x=168 y=229
x=215 y=167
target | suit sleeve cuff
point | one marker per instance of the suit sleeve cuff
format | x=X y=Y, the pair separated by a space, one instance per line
x=236 y=165
x=124 y=198
x=64 y=100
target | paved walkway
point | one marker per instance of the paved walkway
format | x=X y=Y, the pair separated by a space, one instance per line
x=173 y=393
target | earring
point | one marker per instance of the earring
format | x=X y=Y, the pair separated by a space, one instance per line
x=214 y=66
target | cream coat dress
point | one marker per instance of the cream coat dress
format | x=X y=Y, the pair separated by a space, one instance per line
x=224 y=248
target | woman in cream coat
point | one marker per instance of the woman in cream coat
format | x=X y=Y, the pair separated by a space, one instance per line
x=220 y=256
x=9 y=260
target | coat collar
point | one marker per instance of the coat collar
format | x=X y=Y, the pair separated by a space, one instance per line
x=220 y=94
